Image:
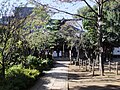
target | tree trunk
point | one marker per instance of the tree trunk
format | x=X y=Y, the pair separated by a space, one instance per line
x=79 y=63
x=3 y=67
x=101 y=65
x=3 y=59
x=85 y=65
x=70 y=55
x=109 y=66
x=63 y=53
x=93 y=68
x=89 y=60
x=77 y=59
x=100 y=8
x=89 y=64
x=3 y=70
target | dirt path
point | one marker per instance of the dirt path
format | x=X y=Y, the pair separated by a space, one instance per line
x=70 y=77
x=79 y=80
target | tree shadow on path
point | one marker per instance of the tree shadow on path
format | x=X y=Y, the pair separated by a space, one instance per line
x=57 y=74
x=39 y=85
x=107 y=87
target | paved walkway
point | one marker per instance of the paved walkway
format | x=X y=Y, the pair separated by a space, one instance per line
x=55 y=79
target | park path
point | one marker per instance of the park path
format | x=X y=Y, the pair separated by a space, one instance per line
x=55 y=79
x=70 y=77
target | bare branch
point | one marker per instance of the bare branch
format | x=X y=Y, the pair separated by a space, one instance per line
x=90 y=7
x=97 y=2
x=38 y=3
x=71 y=13
x=73 y=19
x=105 y=1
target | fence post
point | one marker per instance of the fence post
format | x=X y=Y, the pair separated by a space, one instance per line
x=85 y=65
x=93 y=67
x=116 y=68
x=109 y=66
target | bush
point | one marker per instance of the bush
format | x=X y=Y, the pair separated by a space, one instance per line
x=46 y=63
x=39 y=63
x=18 y=78
x=34 y=63
x=18 y=69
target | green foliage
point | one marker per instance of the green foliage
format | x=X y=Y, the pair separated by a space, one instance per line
x=38 y=28
x=18 y=69
x=112 y=22
x=41 y=16
x=16 y=42
x=18 y=78
x=70 y=34
x=33 y=62
x=110 y=27
x=47 y=63
x=37 y=20
x=41 y=39
x=38 y=63
x=54 y=25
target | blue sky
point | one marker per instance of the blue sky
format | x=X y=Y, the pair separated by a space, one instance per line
x=69 y=7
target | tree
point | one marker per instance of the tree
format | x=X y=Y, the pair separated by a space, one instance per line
x=71 y=35
x=108 y=36
x=98 y=14
x=112 y=22
x=10 y=35
x=40 y=32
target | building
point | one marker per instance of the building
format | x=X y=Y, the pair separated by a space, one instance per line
x=19 y=12
x=22 y=12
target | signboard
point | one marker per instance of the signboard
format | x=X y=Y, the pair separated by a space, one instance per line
x=116 y=51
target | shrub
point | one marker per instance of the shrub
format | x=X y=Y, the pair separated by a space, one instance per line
x=39 y=63
x=47 y=63
x=31 y=73
x=34 y=63
x=18 y=78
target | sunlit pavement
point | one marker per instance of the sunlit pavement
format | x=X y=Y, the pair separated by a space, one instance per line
x=68 y=77
x=55 y=79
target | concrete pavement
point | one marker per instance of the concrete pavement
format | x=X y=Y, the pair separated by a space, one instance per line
x=55 y=79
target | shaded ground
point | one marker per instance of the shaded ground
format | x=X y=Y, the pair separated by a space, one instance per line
x=71 y=77
x=81 y=80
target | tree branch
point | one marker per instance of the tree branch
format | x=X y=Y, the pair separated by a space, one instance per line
x=96 y=1
x=37 y=3
x=90 y=7
x=104 y=1
x=71 y=14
